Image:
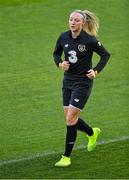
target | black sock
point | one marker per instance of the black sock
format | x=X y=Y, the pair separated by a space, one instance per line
x=82 y=126
x=70 y=139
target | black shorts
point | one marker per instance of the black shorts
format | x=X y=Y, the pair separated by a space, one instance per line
x=76 y=92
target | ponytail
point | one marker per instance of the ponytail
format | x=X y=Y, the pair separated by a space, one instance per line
x=91 y=22
x=91 y=25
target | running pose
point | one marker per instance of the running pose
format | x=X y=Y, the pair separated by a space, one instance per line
x=78 y=45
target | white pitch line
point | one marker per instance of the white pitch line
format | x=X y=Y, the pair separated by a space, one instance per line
x=43 y=154
x=99 y=143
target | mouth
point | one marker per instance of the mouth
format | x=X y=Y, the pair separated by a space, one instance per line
x=73 y=27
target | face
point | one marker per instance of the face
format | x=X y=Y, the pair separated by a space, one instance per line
x=76 y=22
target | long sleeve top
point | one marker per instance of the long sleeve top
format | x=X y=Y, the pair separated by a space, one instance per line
x=79 y=53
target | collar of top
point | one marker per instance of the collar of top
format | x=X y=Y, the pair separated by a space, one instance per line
x=78 y=37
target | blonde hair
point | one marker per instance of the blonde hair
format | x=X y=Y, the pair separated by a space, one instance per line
x=91 y=22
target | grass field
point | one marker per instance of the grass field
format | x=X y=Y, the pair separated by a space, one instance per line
x=32 y=124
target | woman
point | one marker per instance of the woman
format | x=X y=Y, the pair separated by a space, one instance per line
x=78 y=45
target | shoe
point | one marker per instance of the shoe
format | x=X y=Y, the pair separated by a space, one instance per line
x=92 y=139
x=64 y=162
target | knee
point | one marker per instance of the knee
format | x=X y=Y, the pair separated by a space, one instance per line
x=71 y=119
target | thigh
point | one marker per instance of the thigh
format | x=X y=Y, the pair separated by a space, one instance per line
x=80 y=95
x=66 y=110
x=66 y=93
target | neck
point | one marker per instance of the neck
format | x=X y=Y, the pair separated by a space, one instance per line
x=75 y=34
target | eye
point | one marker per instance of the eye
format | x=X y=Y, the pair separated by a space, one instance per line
x=77 y=20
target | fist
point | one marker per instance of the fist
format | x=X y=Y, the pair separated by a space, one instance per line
x=91 y=74
x=65 y=65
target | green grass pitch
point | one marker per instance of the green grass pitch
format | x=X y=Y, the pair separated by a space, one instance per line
x=32 y=123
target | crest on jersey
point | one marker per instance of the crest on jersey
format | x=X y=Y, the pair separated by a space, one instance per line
x=81 y=47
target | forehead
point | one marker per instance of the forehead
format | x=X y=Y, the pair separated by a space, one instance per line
x=76 y=15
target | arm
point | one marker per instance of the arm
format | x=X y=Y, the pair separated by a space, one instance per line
x=57 y=56
x=58 y=52
x=104 y=57
x=103 y=53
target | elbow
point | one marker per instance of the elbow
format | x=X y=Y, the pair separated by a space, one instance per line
x=108 y=55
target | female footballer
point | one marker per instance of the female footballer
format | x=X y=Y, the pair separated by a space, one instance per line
x=78 y=45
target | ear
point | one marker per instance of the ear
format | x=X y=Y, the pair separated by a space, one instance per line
x=83 y=24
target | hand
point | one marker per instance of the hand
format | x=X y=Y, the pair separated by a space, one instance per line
x=65 y=65
x=91 y=74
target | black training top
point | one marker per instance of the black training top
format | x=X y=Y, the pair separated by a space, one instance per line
x=79 y=53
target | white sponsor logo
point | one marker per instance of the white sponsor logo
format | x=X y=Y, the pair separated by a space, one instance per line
x=76 y=100
x=99 y=43
x=66 y=45
x=81 y=47
x=71 y=142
